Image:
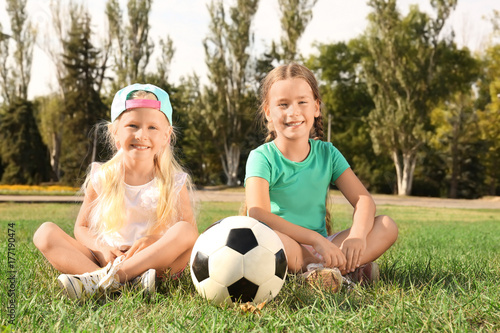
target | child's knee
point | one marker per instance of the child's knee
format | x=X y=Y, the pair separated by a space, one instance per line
x=187 y=231
x=294 y=253
x=391 y=228
x=43 y=234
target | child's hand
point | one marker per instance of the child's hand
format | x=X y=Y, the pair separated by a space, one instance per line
x=332 y=255
x=353 y=249
x=107 y=254
x=141 y=244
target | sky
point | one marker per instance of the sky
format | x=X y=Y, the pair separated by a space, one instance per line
x=186 y=22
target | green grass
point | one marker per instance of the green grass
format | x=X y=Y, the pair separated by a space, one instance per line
x=441 y=275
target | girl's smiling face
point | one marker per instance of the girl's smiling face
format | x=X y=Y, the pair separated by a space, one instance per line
x=292 y=109
x=142 y=132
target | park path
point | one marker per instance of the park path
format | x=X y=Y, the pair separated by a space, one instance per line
x=238 y=196
x=486 y=203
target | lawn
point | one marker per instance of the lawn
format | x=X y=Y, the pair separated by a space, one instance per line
x=441 y=275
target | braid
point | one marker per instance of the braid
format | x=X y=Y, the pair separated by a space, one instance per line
x=328 y=221
x=317 y=130
x=271 y=133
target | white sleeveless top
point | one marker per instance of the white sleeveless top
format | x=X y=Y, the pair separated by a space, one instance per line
x=140 y=208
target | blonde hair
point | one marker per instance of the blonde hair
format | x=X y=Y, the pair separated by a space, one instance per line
x=108 y=211
x=285 y=72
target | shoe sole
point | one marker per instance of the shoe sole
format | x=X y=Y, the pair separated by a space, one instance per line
x=68 y=287
x=148 y=282
x=326 y=278
x=375 y=273
x=367 y=275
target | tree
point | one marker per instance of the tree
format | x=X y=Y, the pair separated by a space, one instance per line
x=22 y=152
x=346 y=104
x=489 y=119
x=54 y=112
x=227 y=59
x=295 y=16
x=15 y=82
x=457 y=140
x=198 y=143
x=51 y=116
x=131 y=42
x=83 y=105
x=455 y=133
x=401 y=72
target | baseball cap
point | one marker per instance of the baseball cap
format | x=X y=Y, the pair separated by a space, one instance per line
x=120 y=102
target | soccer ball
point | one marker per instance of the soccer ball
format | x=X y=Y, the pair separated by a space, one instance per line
x=238 y=259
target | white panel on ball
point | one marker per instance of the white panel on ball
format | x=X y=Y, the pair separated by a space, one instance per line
x=270 y=239
x=259 y=265
x=226 y=257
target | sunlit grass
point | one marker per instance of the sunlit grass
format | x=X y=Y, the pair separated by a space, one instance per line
x=441 y=275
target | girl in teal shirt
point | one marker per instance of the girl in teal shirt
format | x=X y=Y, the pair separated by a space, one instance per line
x=287 y=181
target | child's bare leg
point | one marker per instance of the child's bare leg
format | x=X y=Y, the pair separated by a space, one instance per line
x=171 y=252
x=383 y=234
x=64 y=253
x=298 y=257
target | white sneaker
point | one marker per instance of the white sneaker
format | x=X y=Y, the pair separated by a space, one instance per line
x=110 y=281
x=146 y=281
x=83 y=286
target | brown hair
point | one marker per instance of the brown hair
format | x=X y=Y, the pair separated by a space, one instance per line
x=284 y=72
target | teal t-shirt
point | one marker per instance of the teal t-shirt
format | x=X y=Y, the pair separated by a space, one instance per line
x=298 y=190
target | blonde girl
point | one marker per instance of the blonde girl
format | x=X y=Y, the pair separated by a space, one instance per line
x=136 y=220
x=287 y=182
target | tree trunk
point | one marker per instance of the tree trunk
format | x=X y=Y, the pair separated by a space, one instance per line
x=405 y=168
x=54 y=156
x=493 y=187
x=94 y=146
x=454 y=162
x=230 y=163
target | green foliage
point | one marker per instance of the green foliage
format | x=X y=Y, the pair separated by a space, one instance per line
x=83 y=105
x=457 y=140
x=399 y=95
x=347 y=101
x=22 y=145
x=489 y=120
x=50 y=117
x=130 y=40
x=295 y=16
x=227 y=58
x=441 y=275
x=199 y=152
x=15 y=80
x=401 y=67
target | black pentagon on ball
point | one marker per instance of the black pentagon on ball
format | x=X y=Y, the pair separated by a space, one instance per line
x=241 y=240
x=200 y=266
x=281 y=264
x=242 y=290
